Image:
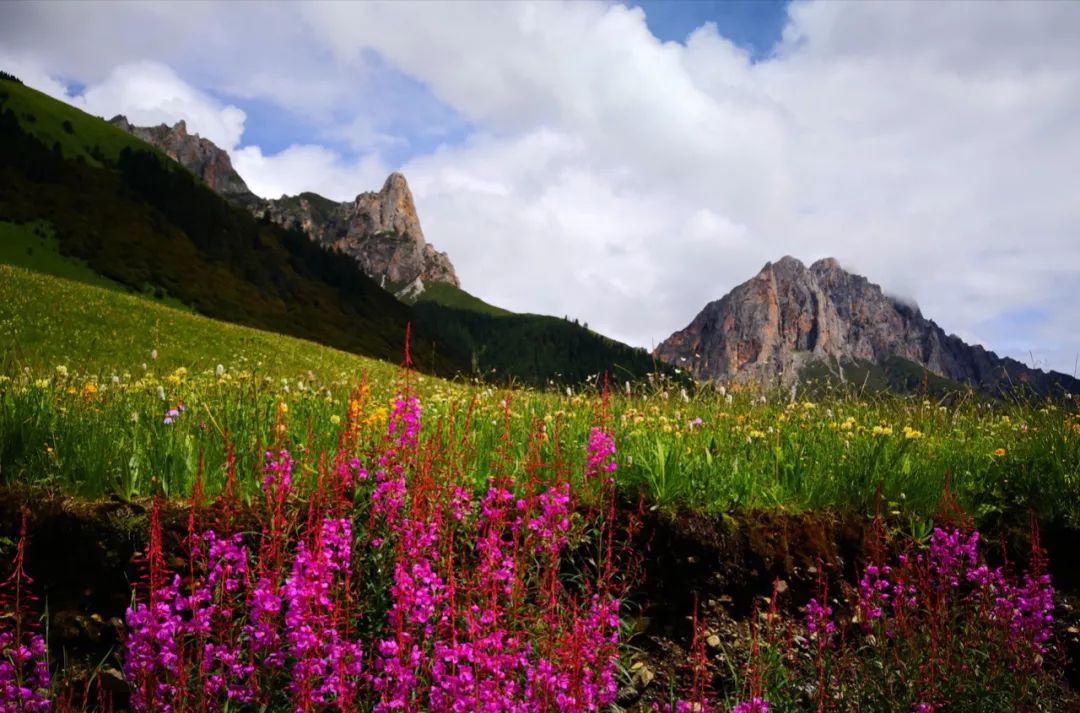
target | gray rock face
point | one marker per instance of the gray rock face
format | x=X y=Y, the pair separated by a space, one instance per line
x=380 y=230
x=788 y=315
x=198 y=155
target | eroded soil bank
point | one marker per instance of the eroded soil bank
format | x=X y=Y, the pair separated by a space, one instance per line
x=715 y=570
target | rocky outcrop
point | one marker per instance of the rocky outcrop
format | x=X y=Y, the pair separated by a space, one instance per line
x=380 y=230
x=198 y=155
x=789 y=315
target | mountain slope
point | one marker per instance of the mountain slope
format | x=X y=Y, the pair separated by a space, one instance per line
x=530 y=347
x=380 y=230
x=140 y=220
x=52 y=321
x=127 y=212
x=789 y=316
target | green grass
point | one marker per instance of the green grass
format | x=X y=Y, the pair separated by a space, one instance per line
x=895 y=375
x=79 y=411
x=45 y=117
x=34 y=246
x=58 y=322
x=449 y=296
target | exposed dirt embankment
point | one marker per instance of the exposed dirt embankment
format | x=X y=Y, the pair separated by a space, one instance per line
x=82 y=556
x=718 y=570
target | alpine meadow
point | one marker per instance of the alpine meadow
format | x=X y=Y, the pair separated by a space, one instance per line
x=267 y=444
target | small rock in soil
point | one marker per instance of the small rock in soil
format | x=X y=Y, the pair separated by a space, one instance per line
x=643 y=677
x=627 y=695
x=112 y=680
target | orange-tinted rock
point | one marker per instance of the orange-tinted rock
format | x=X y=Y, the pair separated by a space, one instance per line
x=788 y=315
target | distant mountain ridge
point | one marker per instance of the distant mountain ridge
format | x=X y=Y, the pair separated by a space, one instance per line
x=379 y=230
x=790 y=317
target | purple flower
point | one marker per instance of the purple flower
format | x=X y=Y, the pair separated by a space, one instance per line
x=600 y=455
x=754 y=705
x=819 y=622
x=24 y=674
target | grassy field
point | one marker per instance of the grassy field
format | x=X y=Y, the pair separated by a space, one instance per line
x=89 y=376
x=366 y=502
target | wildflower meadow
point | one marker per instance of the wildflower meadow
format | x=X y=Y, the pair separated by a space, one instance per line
x=313 y=531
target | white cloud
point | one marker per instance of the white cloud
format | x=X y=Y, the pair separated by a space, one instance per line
x=307 y=168
x=627 y=181
x=32 y=73
x=149 y=93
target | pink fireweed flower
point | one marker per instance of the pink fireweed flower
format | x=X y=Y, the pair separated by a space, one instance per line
x=754 y=705
x=460 y=503
x=553 y=521
x=874 y=593
x=1030 y=611
x=326 y=667
x=277 y=473
x=151 y=648
x=263 y=623
x=951 y=555
x=24 y=674
x=403 y=426
x=600 y=455
x=819 y=622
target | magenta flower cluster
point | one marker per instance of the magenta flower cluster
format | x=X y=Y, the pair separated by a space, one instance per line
x=461 y=633
x=475 y=613
x=753 y=705
x=24 y=674
x=600 y=455
x=949 y=574
x=819 y=623
x=24 y=667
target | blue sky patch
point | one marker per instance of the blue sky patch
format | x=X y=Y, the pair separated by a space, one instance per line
x=755 y=25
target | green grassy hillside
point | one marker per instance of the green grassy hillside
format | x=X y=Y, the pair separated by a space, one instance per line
x=50 y=322
x=82 y=399
x=530 y=347
x=895 y=375
x=77 y=133
x=447 y=295
x=121 y=213
x=34 y=246
x=139 y=220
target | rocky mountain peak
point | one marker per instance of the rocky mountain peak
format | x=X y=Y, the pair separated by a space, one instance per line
x=379 y=229
x=826 y=264
x=788 y=316
x=391 y=210
x=382 y=230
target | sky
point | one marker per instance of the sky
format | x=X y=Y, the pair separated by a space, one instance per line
x=627 y=164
